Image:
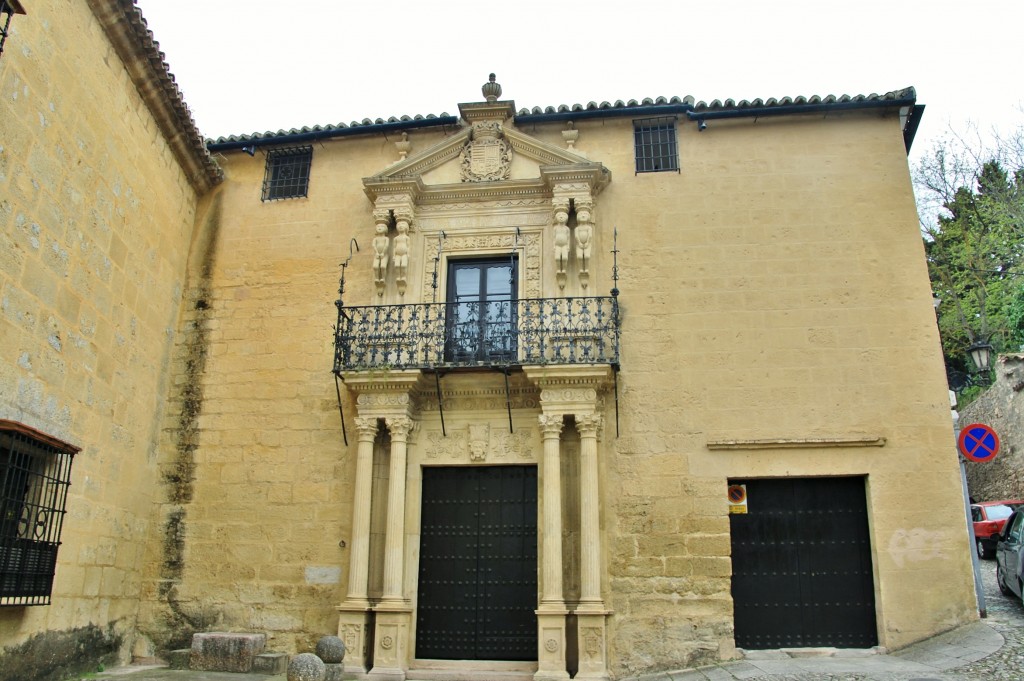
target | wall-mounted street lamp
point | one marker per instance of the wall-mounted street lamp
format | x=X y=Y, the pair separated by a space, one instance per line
x=981 y=354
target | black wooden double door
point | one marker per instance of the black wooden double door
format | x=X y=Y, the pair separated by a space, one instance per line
x=801 y=560
x=478 y=564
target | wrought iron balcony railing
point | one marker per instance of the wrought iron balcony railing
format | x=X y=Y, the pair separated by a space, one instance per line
x=478 y=334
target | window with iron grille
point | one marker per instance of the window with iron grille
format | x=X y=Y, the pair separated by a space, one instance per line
x=35 y=473
x=655 y=142
x=8 y=8
x=287 y=174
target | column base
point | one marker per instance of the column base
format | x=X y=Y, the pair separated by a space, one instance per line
x=551 y=660
x=591 y=637
x=354 y=627
x=386 y=674
x=391 y=642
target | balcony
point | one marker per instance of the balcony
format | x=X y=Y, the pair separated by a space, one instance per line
x=486 y=334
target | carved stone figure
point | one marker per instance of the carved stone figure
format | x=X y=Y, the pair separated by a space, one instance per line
x=380 y=256
x=561 y=240
x=478 y=440
x=584 y=239
x=401 y=255
x=584 y=236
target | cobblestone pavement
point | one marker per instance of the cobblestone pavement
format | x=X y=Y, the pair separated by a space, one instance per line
x=1005 y=616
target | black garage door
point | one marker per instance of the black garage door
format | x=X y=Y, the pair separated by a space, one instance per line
x=478 y=564
x=801 y=560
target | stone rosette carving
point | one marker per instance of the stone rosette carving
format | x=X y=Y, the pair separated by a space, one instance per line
x=551 y=645
x=487 y=156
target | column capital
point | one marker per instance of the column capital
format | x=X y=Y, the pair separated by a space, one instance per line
x=399 y=426
x=366 y=426
x=589 y=423
x=550 y=424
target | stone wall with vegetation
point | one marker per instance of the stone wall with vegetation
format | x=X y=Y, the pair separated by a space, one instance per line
x=1002 y=407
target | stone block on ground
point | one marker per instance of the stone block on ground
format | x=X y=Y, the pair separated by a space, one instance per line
x=219 y=651
x=178 y=659
x=270 y=664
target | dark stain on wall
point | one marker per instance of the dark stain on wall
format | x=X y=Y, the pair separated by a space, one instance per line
x=178 y=622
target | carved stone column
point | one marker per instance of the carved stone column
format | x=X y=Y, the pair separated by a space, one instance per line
x=551 y=659
x=394 y=538
x=551 y=429
x=591 y=612
x=590 y=528
x=354 y=612
x=391 y=634
x=359 y=558
x=380 y=395
x=574 y=390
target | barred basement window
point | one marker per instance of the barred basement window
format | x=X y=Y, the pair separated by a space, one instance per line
x=655 y=142
x=287 y=174
x=8 y=8
x=35 y=473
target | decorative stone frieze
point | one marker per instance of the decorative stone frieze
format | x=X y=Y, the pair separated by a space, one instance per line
x=528 y=245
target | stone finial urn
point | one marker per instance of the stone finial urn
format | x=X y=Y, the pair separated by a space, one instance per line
x=491 y=89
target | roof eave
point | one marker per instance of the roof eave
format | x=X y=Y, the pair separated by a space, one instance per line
x=126 y=29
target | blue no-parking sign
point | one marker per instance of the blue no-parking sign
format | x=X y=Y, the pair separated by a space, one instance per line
x=978 y=442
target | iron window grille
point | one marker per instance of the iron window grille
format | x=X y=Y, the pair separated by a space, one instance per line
x=655 y=143
x=35 y=473
x=8 y=8
x=287 y=173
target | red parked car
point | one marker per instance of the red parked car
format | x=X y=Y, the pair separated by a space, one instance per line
x=989 y=519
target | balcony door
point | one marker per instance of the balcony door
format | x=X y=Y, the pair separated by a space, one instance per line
x=480 y=320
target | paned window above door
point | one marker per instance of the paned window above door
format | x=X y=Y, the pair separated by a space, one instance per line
x=481 y=316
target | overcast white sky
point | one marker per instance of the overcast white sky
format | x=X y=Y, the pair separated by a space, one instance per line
x=254 y=65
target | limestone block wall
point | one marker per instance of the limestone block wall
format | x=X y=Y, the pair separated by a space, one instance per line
x=95 y=226
x=257 y=485
x=773 y=289
x=1001 y=407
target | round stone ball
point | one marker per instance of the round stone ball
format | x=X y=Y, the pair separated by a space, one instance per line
x=306 y=667
x=330 y=649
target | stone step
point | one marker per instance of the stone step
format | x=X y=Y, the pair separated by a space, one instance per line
x=178 y=659
x=270 y=664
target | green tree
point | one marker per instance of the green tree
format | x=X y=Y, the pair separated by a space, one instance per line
x=972 y=215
